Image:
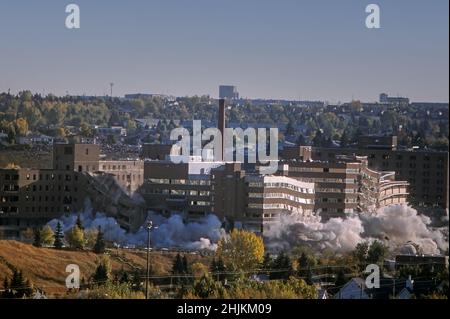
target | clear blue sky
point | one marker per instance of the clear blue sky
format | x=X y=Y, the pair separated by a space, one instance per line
x=315 y=49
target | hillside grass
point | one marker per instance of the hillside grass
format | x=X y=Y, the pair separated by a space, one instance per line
x=45 y=267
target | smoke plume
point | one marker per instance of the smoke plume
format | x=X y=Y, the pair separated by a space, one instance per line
x=399 y=227
x=396 y=226
x=168 y=233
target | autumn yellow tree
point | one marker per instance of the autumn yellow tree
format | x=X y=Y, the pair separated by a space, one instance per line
x=47 y=236
x=241 y=250
x=22 y=126
x=199 y=270
x=75 y=238
x=61 y=132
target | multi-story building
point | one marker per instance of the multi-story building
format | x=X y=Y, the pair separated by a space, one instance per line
x=129 y=174
x=425 y=171
x=198 y=188
x=183 y=187
x=380 y=189
x=32 y=197
x=76 y=157
x=336 y=185
x=269 y=197
x=384 y=98
x=345 y=184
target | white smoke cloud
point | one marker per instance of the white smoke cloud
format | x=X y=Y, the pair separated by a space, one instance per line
x=399 y=224
x=173 y=232
x=169 y=232
x=338 y=234
x=400 y=227
x=396 y=226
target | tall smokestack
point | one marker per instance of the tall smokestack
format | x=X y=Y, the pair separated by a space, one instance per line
x=221 y=123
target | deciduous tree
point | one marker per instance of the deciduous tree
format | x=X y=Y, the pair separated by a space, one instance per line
x=241 y=250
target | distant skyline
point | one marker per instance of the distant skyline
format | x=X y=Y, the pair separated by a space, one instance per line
x=288 y=49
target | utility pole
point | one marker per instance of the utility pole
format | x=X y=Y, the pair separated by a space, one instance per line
x=149 y=227
x=111 y=86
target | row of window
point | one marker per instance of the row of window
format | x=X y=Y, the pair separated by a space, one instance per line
x=117 y=167
x=337 y=200
x=276 y=206
x=280 y=196
x=50 y=188
x=324 y=170
x=179 y=181
x=282 y=185
x=128 y=177
x=337 y=190
x=177 y=192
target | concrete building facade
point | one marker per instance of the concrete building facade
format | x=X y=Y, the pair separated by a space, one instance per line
x=425 y=171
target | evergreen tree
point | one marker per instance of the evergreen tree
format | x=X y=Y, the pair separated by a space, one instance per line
x=102 y=272
x=99 y=247
x=309 y=276
x=18 y=287
x=213 y=266
x=137 y=280
x=345 y=139
x=123 y=277
x=186 y=268
x=79 y=223
x=180 y=267
x=303 y=265
x=59 y=236
x=340 y=279
x=37 y=238
x=290 y=129
x=177 y=267
x=6 y=292
x=376 y=252
x=282 y=267
x=218 y=268
x=301 y=140
x=267 y=263
x=101 y=275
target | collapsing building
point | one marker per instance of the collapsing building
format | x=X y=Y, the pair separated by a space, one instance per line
x=32 y=197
